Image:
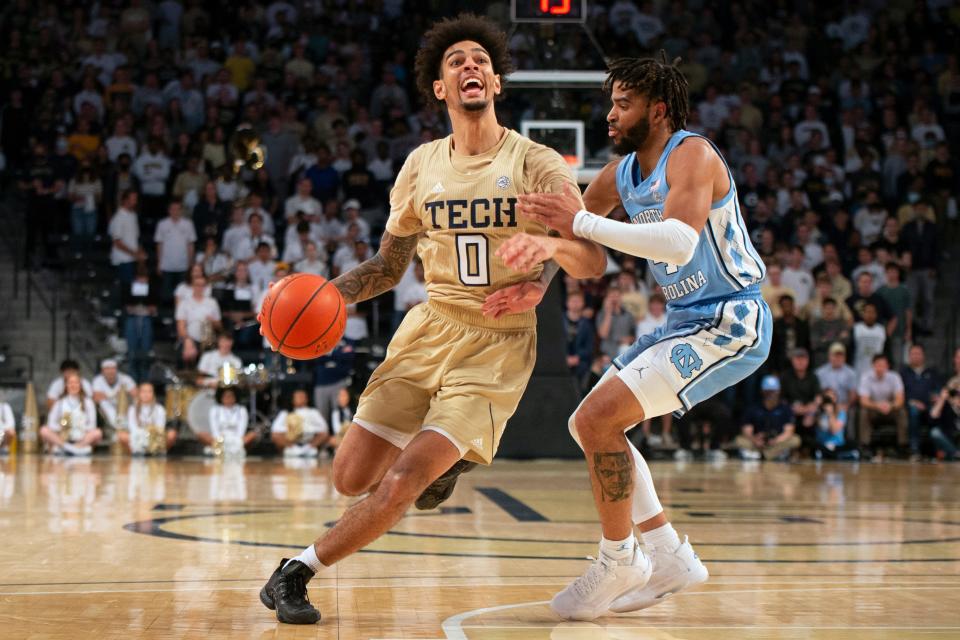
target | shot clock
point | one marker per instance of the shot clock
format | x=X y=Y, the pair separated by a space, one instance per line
x=572 y=11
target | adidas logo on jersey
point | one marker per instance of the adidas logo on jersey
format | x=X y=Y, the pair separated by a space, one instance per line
x=437 y=188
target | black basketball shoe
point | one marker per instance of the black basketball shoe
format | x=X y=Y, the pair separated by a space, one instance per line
x=286 y=592
x=442 y=487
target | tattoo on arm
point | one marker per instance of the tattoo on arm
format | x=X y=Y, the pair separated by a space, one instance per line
x=614 y=471
x=381 y=272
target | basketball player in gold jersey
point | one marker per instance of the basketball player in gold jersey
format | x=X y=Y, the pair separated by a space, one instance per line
x=457 y=366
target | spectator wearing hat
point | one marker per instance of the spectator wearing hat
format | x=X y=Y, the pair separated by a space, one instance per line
x=351 y=215
x=107 y=387
x=882 y=401
x=838 y=377
x=767 y=430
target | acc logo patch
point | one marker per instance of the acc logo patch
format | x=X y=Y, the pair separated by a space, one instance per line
x=685 y=359
x=503 y=182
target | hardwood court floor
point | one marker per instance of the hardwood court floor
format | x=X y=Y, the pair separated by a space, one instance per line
x=114 y=548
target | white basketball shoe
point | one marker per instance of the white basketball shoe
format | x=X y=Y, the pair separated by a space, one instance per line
x=672 y=573
x=590 y=596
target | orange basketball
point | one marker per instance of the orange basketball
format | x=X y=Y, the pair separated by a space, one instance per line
x=303 y=316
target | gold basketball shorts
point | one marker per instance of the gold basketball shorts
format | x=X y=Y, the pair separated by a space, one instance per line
x=450 y=370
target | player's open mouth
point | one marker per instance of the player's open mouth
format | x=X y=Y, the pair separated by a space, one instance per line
x=472 y=88
x=612 y=132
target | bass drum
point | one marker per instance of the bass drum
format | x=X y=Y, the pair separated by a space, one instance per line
x=198 y=414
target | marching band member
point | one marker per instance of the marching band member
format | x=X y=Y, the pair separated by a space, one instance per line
x=107 y=386
x=72 y=422
x=300 y=431
x=228 y=428
x=146 y=432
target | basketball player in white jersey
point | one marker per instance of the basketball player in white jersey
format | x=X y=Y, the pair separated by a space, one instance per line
x=682 y=203
x=458 y=364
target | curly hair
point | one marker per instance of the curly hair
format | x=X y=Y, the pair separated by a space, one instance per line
x=466 y=26
x=656 y=81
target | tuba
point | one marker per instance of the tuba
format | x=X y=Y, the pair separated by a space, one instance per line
x=246 y=149
x=294 y=427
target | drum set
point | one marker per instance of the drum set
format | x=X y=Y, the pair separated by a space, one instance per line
x=188 y=401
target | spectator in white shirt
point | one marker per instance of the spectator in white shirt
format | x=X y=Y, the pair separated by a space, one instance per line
x=121 y=141
x=105 y=62
x=55 y=390
x=152 y=168
x=143 y=416
x=811 y=122
x=124 y=231
x=713 y=112
x=262 y=269
x=314 y=261
x=294 y=251
x=409 y=292
x=351 y=215
x=656 y=315
x=301 y=431
x=331 y=228
x=198 y=320
x=192 y=102
x=216 y=263
x=797 y=277
x=869 y=219
x=107 y=387
x=72 y=422
x=258 y=236
x=90 y=94
x=351 y=252
x=236 y=239
x=8 y=427
x=176 y=244
x=255 y=205
x=212 y=361
x=869 y=339
x=303 y=201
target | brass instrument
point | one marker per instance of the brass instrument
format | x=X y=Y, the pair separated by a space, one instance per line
x=218 y=447
x=156 y=439
x=246 y=149
x=229 y=375
x=294 y=427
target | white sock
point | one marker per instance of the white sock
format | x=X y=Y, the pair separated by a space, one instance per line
x=618 y=550
x=309 y=557
x=664 y=537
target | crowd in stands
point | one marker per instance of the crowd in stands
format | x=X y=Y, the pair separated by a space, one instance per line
x=119 y=120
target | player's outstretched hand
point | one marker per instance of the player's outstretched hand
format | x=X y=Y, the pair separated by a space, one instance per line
x=514 y=299
x=523 y=252
x=555 y=210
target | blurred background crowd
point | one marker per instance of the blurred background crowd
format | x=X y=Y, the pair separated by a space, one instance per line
x=119 y=129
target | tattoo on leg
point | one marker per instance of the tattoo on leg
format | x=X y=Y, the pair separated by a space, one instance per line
x=614 y=471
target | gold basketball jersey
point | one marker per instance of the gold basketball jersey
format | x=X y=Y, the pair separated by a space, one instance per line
x=467 y=211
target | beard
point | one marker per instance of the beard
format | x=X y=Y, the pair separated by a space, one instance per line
x=476 y=105
x=633 y=138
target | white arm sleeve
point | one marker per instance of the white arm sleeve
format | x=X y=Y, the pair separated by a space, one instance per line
x=670 y=241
